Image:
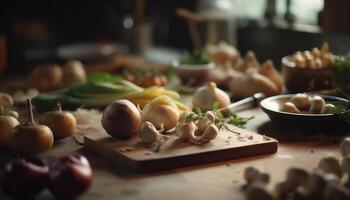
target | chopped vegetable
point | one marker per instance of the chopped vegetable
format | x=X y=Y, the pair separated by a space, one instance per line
x=100 y=90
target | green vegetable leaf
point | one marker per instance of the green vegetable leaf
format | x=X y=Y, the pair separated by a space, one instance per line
x=239 y=121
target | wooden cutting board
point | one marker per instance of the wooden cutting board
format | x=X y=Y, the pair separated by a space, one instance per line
x=134 y=155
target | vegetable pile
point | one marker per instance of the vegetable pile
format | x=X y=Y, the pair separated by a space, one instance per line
x=328 y=181
x=100 y=90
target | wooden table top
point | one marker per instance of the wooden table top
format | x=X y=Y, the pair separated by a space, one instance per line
x=220 y=180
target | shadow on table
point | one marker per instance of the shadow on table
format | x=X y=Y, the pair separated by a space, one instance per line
x=288 y=134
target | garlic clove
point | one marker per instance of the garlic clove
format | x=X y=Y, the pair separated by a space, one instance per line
x=148 y=133
x=210 y=133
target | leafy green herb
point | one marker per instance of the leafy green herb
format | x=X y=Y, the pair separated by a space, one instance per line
x=238 y=120
x=198 y=57
x=342 y=70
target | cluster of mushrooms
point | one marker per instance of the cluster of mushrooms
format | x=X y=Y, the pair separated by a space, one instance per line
x=159 y=120
x=30 y=137
x=244 y=76
x=329 y=181
x=314 y=59
x=302 y=103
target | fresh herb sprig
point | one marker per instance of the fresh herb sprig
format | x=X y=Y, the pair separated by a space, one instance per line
x=220 y=121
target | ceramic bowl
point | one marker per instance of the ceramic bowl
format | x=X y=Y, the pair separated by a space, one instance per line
x=194 y=74
x=271 y=106
x=305 y=79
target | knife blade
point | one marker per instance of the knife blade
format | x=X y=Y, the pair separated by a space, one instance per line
x=243 y=104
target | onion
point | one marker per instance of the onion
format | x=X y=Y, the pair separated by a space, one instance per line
x=205 y=97
x=121 y=119
x=162 y=112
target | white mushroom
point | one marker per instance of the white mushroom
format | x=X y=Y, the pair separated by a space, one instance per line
x=317 y=105
x=345 y=146
x=149 y=134
x=289 y=107
x=209 y=134
x=330 y=164
x=301 y=101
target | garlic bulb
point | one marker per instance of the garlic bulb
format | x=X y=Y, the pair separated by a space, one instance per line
x=207 y=95
x=162 y=112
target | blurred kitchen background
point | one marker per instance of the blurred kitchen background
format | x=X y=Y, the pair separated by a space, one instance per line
x=33 y=32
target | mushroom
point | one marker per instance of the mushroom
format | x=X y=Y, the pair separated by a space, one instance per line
x=258 y=191
x=149 y=134
x=185 y=132
x=209 y=134
x=317 y=104
x=315 y=184
x=301 y=101
x=251 y=174
x=345 y=146
x=295 y=177
x=330 y=164
x=289 y=107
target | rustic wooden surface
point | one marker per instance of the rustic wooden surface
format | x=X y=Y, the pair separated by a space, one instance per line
x=141 y=158
x=221 y=180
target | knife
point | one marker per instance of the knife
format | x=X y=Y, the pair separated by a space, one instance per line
x=249 y=102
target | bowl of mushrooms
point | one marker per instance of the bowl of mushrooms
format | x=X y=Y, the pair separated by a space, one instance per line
x=306 y=111
x=309 y=70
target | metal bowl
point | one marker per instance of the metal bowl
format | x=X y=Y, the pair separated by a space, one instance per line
x=307 y=121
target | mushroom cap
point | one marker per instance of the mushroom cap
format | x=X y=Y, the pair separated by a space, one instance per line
x=296 y=177
x=330 y=164
x=250 y=173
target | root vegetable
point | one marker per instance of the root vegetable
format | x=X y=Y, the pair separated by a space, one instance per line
x=289 y=107
x=73 y=72
x=63 y=124
x=162 y=112
x=121 y=119
x=268 y=69
x=70 y=177
x=25 y=178
x=207 y=95
x=7 y=123
x=6 y=100
x=45 y=78
x=301 y=101
x=31 y=138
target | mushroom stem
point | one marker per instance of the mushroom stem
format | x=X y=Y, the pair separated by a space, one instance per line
x=30 y=113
